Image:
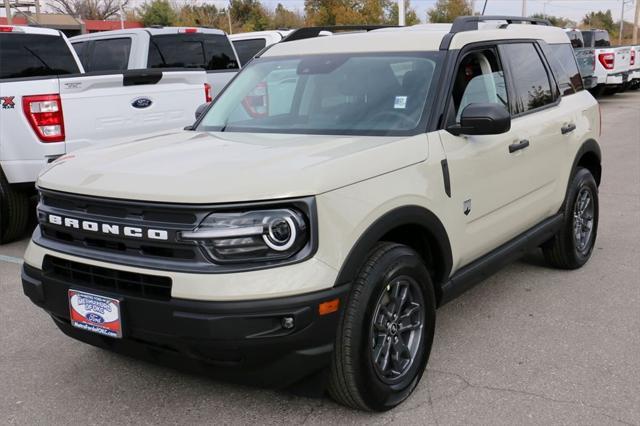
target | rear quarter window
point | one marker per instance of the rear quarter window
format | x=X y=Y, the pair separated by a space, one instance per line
x=247 y=49
x=212 y=52
x=35 y=55
x=109 y=55
x=565 y=68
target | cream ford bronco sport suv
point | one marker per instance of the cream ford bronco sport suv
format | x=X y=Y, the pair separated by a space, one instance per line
x=314 y=226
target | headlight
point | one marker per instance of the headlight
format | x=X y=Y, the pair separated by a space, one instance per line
x=259 y=235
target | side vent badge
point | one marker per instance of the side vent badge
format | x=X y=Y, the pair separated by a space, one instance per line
x=466 y=206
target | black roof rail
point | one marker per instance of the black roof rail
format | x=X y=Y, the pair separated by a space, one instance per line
x=312 y=32
x=470 y=23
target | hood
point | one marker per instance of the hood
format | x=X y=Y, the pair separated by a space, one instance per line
x=199 y=167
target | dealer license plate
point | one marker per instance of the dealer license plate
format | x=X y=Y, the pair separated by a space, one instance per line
x=94 y=313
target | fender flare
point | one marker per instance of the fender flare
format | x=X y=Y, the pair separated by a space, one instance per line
x=405 y=215
x=588 y=146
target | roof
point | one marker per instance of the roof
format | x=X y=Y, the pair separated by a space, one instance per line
x=152 y=31
x=20 y=29
x=416 y=38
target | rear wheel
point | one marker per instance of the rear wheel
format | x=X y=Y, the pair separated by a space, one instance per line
x=385 y=332
x=14 y=211
x=572 y=246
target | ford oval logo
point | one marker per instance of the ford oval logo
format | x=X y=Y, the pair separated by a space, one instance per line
x=95 y=318
x=141 y=103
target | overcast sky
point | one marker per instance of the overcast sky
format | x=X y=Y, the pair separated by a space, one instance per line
x=573 y=9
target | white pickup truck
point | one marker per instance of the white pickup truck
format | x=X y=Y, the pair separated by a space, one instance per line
x=161 y=47
x=611 y=64
x=49 y=108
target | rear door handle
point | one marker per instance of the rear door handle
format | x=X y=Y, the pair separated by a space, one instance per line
x=568 y=128
x=518 y=146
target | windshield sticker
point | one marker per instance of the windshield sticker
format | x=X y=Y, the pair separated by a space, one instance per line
x=7 y=102
x=400 y=103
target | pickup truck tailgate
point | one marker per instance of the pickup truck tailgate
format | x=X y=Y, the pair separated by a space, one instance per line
x=104 y=107
x=623 y=57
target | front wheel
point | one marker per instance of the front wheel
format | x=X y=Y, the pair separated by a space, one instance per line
x=572 y=246
x=385 y=332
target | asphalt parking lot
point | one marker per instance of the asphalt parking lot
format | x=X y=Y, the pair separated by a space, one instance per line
x=531 y=345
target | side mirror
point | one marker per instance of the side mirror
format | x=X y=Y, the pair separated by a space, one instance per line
x=202 y=108
x=482 y=119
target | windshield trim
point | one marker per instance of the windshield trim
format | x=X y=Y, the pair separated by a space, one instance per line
x=427 y=112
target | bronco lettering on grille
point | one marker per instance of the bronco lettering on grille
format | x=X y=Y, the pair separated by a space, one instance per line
x=108 y=228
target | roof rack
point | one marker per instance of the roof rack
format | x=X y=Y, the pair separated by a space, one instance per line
x=470 y=23
x=311 y=32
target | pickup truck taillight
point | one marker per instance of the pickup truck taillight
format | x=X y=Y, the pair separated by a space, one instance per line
x=208 y=97
x=44 y=113
x=607 y=60
x=632 y=61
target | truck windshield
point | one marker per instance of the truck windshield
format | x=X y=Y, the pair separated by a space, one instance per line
x=192 y=50
x=354 y=94
x=34 y=55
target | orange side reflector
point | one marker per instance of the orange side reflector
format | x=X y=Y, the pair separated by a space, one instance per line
x=328 y=307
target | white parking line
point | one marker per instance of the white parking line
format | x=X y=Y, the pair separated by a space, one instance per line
x=10 y=259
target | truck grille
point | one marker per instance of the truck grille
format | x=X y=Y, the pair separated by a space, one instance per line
x=121 y=282
x=170 y=253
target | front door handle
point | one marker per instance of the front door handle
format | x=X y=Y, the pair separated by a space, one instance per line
x=568 y=128
x=518 y=146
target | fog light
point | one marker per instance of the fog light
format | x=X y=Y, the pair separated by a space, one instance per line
x=288 y=323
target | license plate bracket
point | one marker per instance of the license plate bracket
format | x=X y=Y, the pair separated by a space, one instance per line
x=95 y=313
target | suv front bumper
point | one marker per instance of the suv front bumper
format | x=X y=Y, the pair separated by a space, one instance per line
x=241 y=341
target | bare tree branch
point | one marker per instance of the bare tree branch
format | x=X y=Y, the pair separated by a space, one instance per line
x=88 y=9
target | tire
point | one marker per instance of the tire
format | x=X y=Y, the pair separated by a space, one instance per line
x=566 y=250
x=355 y=380
x=597 y=91
x=14 y=212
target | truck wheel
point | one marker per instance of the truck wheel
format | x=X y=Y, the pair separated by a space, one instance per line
x=14 y=208
x=573 y=244
x=386 y=331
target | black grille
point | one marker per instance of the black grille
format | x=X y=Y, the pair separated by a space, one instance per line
x=171 y=253
x=121 y=282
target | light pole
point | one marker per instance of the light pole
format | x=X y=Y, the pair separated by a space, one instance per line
x=401 y=17
x=524 y=7
x=624 y=3
x=635 y=22
x=8 y=9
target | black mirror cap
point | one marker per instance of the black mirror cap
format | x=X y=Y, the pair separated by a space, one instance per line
x=482 y=119
x=201 y=109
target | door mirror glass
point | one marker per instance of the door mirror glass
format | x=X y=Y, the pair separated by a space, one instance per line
x=482 y=119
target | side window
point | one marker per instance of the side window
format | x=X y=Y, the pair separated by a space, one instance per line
x=602 y=39
x=529 y=77
x=80 y=49
x=479 y=79
x=246 y=49
x=109 y=55
x=565 y=68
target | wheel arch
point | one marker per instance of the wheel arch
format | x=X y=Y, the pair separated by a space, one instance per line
x=414 y=226
x=589 y=156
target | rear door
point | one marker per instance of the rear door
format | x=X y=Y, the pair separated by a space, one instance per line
x=539 y=118
x=102 y=107
x=29 y=66
x=198 y=49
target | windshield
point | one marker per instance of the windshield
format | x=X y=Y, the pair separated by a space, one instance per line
x=367 y=94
